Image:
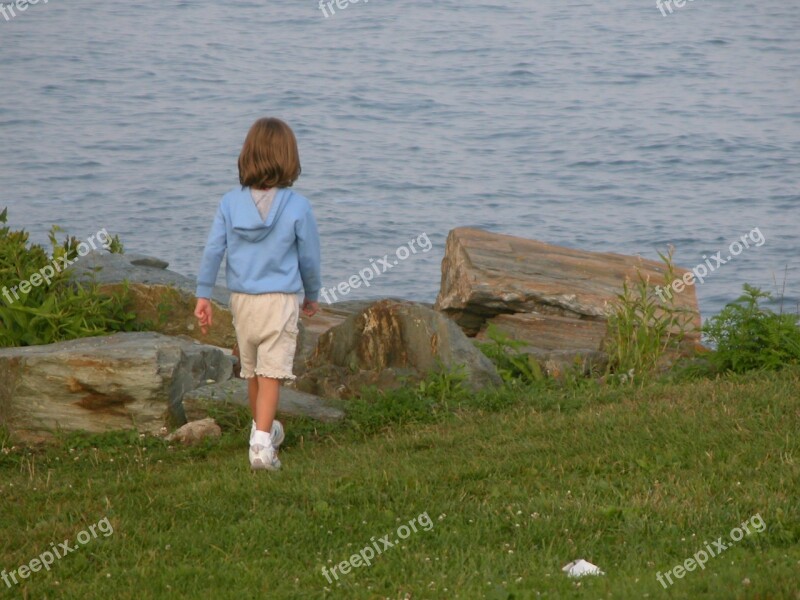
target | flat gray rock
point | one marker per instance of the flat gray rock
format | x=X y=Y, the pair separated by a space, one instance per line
x=234 y=391
x=104 y=268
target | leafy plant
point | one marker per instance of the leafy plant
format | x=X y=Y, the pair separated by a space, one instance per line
x=748 y=336
x=642 y=328
x=41 y=304
x=512 y=364
x=443 y=385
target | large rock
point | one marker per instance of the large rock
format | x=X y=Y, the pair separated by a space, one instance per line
x=560 y=344
x=162 y=300
x=566 y=294
x=386 y=343
x=551 y=332
x=120 y=381
x=311 y=328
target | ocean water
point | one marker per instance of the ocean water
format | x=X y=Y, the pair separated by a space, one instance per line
x=598 y=125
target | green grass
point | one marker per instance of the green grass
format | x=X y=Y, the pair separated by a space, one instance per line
x=632 y=479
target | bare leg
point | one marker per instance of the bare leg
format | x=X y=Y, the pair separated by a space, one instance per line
x=252 y=394
x=266 y=402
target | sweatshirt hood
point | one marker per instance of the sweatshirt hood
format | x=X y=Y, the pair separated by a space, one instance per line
x=246 y=220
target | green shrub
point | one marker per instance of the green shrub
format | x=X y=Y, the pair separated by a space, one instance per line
x=55 y=310
x=513 y=365
x=748 y=336
x=641 y=328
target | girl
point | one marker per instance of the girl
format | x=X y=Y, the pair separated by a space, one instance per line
x=273 y=254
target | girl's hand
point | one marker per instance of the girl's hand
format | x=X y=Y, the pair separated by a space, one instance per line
x=310 y=308
x=203 y=313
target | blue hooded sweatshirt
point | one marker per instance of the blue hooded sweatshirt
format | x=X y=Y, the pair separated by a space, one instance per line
x=279 y=254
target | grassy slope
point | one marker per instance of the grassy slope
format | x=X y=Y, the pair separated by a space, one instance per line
x=635 y=481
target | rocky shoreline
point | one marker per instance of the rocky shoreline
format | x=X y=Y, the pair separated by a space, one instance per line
x=553 y=300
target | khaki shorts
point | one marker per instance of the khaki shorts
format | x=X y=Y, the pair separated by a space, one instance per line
x=266 y=331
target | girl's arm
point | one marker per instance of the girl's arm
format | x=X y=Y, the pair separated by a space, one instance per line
x=212 y=255
x=309 y=255
x=209 y=267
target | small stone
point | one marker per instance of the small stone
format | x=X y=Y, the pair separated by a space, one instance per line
x=195 y=431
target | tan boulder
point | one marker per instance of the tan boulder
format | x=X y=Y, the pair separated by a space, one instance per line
x=551 y=332
x=565 y=295
x=560 y=344
x=311 y=328
x=387 y=343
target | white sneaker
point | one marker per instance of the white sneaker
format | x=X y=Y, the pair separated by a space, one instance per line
x=262 y=453
x=276 y=433
x=264 y=458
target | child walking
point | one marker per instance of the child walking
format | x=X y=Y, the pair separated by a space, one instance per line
x=272 y=245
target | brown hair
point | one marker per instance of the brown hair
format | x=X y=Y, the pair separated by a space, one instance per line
x=269 y=156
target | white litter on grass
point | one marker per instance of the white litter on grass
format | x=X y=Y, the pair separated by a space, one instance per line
x=580 y=567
